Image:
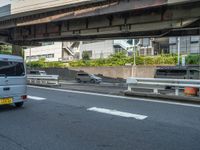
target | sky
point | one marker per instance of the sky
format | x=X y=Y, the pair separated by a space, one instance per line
x=4 y=2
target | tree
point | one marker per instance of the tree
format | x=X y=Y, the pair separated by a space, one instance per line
x=5 y=49
x=85 y=55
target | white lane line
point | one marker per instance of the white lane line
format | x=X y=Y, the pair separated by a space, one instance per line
x=118 y=113
x=36 y=98
x=120 y=97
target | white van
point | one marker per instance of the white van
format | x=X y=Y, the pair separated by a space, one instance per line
x=13 y=86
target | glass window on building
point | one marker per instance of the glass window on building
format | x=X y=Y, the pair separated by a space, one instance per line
x=47 y=43
x=195 y=39
x=173 y=49
x=194 y=48
x=146 y=42
x=172 y=40
x=149 y=51
x=141 y=51
x=50 y=56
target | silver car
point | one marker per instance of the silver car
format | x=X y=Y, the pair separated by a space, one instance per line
x=13 y=86
x=37 y=72
x=85 y=77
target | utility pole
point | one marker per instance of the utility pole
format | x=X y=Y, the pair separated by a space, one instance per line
x=30 y=58
x=134 y=57
x=179 y=49
x=134 y=52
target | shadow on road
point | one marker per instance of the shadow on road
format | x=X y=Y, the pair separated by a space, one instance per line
x=5 y=108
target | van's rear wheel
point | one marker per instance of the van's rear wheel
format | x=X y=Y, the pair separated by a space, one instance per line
x=19 y=104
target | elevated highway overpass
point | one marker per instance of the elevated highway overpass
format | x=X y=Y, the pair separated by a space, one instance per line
x=102 y=19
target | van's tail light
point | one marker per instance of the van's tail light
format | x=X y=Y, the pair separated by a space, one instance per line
x=24 y=97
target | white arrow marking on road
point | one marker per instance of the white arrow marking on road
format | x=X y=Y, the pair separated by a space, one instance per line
x=36 y=98
x=118 y=113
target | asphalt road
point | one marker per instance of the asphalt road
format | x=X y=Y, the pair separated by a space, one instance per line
x=68 y=120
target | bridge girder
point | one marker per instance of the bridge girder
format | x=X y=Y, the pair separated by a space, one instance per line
x=116 y=19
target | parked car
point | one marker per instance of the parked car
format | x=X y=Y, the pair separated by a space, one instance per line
x=85 y=77
x=37 y=72
x=12 y=80
x=177 y=73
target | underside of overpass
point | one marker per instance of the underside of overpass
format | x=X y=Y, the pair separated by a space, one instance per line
x=104 y=20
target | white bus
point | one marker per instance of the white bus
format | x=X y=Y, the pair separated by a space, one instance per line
x=13 y=86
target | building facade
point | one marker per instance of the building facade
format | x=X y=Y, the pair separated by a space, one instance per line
x=5 y=8
x=21 y=6
x=69 y=51
x=52 y=51
x=188 y=45
x=105 y=48
x=97 y=49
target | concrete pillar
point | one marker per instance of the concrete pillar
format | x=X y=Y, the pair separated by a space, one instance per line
x=17 y=50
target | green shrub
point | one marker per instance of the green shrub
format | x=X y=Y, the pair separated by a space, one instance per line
x=42 y=64
x=121 y=59
x=5 y=49
x=86 y=55
x=193 y=59
x=118 y=59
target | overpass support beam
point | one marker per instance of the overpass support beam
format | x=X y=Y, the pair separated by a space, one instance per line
x=17 y=50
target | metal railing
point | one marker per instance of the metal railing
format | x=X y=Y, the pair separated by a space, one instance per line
x=43 y=80
x=157 y=84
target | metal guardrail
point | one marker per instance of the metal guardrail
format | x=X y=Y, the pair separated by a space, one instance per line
x=161 y=84
x=43 y=79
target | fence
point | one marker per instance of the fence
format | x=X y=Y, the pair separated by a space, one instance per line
x=161 y=84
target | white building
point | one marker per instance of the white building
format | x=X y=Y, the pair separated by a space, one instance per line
x=68 y=51
x=189 y=45
x=5 y=8
x=97 y=49
x=52 y=51
x=104 y=48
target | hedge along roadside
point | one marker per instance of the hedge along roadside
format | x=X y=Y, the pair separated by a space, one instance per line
x=118 y=59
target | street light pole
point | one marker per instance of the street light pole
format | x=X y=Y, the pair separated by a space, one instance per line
x=30 y=58
x=179 y=49
x=134 y=52
x=134 y=56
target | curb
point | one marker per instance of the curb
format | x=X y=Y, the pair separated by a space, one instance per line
x=45 y=85
x=167 y=97
x=97 y=85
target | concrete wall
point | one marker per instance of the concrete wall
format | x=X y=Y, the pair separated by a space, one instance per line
x=19 y=6
x=178 y=1
x=108 y=73
x=120 y=72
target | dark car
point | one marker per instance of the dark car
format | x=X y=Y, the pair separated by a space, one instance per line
x=177 y=73
x=85 y=77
